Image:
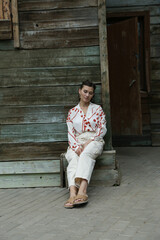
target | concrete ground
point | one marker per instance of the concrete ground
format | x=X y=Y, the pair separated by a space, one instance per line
x=128 y=212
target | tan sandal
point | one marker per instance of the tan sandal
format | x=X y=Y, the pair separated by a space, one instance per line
x=80 y=199
x=70 y=201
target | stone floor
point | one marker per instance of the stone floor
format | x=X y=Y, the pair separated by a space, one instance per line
x=128 y=212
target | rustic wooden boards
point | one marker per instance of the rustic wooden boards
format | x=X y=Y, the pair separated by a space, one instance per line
x=58 y=24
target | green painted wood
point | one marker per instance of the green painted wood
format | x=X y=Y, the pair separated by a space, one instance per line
x=67 y=95
x=155 y=52
x=32 y=151
x=156 y=139
x=155 y=29
x=29 y=5
x=155 y=20
x=22 y=61
x=155 y=40
x=33 y=133
x=37 y=114
x=30 y=167
x=44 y=57
x=6 y=45
x=104 y=177
x=30 y=180
x=107 y=160
x=53 y=76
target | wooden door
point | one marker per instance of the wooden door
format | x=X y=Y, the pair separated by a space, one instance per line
x=124 y=78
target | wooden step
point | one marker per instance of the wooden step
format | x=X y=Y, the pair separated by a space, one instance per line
x=106 y=171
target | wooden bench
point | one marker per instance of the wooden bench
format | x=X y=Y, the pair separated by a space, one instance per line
x=106 y=171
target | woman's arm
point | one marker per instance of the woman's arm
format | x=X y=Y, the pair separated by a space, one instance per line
x=101 y=126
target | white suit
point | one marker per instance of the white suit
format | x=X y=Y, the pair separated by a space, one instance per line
x=81 y=128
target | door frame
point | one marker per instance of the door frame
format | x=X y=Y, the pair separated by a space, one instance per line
x=145 y=16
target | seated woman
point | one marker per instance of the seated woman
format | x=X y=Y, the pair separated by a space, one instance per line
x=86 y=128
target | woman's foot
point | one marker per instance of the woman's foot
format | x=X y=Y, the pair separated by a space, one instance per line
x=70 y=202
x=73 y=193
x=80 y=199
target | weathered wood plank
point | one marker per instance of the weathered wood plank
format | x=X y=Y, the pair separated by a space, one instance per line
x=59 y=15
x=61 y=38
x=6 y=45
x=5 y=30
x=30 y=180
x=156 y=139
x=155 y=86
x=59 y=25
x=155 y=52
x=104 y=177
x=155 y=29
x=64 y=43
x=107 y=160
x=15 y=22
x=43 y=95
x=36 y=114
x=104 y=70
x=33 y=133
x=126 y=3
x=67 y=52
x=155 y=64
x=30 y=167
x=155 y=40
x=53 y=76
x=155 y=20
x=154 y=10
x=44 y=58
x=155 y=74
x=32 y=151
x=31 y=5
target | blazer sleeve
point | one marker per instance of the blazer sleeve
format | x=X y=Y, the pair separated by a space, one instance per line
x=72 y=140
x=101 y=126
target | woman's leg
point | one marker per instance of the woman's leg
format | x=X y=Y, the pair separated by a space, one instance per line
x=86 y=164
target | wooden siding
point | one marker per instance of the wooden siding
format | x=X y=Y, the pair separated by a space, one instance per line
x=58 y=49
x=153 y=105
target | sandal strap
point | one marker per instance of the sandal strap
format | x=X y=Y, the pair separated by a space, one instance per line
x=70 y=200
x=82 y=197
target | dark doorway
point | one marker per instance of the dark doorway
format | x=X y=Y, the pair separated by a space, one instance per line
x=128 y=52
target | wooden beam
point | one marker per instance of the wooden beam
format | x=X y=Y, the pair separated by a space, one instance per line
x=15 y=23
x=104 y=69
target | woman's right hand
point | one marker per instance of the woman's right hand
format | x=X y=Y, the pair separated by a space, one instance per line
x=79 y=151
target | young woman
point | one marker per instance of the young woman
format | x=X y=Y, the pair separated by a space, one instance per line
x=86 y=128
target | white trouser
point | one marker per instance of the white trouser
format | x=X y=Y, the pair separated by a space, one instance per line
x=81 y=167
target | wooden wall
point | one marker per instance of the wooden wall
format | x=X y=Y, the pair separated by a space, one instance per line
x=59 y=47
x=153 y=101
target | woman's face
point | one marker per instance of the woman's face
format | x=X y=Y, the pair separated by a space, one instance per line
x=86 y=94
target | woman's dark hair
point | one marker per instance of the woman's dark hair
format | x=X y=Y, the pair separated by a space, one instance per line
x=89 y=84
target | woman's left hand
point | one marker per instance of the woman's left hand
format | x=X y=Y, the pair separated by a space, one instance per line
x=85 y=145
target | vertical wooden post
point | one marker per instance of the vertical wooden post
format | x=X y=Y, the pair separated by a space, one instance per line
x=15 y=23
x=104 y=69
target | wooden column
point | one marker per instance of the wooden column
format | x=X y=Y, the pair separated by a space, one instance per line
x=104 y=70
x=15 y=23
